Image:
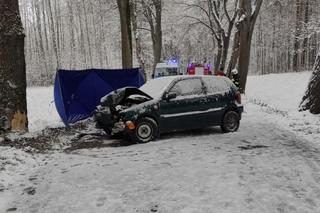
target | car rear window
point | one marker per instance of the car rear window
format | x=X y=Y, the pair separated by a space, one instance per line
x=217 y=85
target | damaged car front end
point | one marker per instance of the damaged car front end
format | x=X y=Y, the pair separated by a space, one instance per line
x=118 y=110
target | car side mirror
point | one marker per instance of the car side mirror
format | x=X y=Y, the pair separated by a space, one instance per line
x=170 y=96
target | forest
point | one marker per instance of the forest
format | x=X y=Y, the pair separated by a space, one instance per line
x=255 y=37
x=78 y=34
x=160 y=106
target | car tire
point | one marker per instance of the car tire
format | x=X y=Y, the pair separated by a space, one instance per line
x=230 y=122
x=146 y=130
x=107 y=130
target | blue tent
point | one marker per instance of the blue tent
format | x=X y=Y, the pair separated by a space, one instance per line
x=77 y=93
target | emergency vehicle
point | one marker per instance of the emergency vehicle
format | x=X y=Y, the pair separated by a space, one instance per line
x=167 y=68
x=199 y=69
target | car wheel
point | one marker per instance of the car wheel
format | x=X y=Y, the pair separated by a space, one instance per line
x=107 y=130
x=230 y=122
x=146 y=130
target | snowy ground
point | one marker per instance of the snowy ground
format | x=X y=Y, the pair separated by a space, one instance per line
x=279 y=95
x=41 y=109
x=267 y=166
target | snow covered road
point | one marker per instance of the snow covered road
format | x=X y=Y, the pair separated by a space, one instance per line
x=261 y=168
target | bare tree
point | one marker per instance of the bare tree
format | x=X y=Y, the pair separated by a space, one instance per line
x=220 y=20
x=137 y=36
x=13 y=104
x=126 y=38
x=296 y=54
x=247 y=19
x=287 y=36
x=152 y=11
x=234 y=52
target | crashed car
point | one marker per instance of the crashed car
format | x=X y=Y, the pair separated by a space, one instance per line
x=168 y=104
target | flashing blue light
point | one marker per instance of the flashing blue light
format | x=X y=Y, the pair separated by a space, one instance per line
x=173 y=61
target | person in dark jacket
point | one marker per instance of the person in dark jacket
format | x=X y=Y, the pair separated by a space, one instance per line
x=235 y=78
x=220 y=72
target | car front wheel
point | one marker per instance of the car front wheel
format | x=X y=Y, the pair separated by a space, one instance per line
x=230 y=122
x=145 y=131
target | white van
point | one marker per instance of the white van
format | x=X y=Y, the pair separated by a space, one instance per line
x=166 y=69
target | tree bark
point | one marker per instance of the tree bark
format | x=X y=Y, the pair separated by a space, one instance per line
x=306 y=38
x=137 y=37
x=234 y=54
x=311 y=99
x=246 y=26
x=126 y=37
x=157 y=37
x=152 y=10
x=218 y=56
x=13 y=103
x=296 y=55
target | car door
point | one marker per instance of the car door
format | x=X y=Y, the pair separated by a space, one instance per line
x=185 y=110
x=217 y=98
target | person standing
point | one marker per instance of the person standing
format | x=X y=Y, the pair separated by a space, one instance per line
x=220 y=72
x=235 y=78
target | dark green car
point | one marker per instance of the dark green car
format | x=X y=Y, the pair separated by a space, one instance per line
x=171 y=104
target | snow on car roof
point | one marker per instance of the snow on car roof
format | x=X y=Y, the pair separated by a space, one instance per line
x=156 y=87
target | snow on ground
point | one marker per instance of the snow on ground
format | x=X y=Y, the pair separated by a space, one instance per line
x=268 y=170
x=280 y=95
x=14 y=167
x=41 y=109
x=260 y=168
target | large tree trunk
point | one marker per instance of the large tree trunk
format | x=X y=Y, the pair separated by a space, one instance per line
x=218 y=56
x=244 y=54
x=126 y=40
x=13 y=104
x=226 y=42
x=157 y=47
x=311 y=99
x=246 y=26
x=234 y=54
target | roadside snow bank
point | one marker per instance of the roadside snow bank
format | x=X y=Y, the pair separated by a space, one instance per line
x=279 y=95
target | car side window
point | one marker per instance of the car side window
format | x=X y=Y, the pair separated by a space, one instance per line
x=216 y=85
x=187 y=87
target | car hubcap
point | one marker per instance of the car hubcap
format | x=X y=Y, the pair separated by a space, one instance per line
x=144 y=131
x=231 y=122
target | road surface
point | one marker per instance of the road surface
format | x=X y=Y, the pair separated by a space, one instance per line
x=260 y=168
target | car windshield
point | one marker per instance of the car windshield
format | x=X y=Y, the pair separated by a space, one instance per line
x=156 y=87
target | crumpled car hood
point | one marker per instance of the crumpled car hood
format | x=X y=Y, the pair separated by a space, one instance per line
x=116 y=97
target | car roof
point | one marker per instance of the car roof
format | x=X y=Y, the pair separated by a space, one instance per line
x=178 y=77
x=155 y=87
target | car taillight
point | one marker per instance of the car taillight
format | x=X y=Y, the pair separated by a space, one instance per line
x=238 y=97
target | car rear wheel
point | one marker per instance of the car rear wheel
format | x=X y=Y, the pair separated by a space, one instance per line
x=230 y=122
x=145 y=131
